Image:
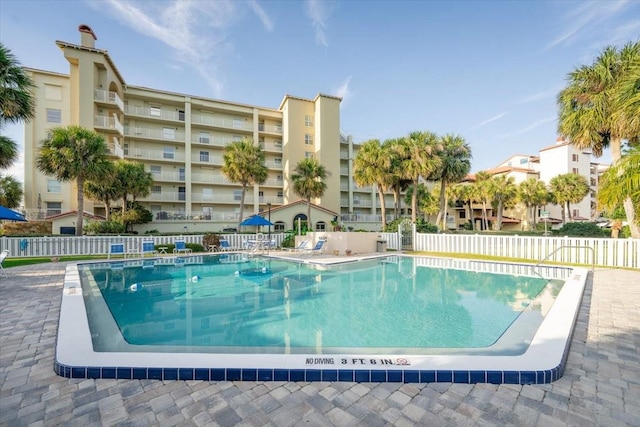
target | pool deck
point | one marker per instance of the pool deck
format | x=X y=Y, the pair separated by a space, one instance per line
x=600 y=386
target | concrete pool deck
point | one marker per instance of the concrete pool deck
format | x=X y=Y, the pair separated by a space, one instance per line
x=600 y=386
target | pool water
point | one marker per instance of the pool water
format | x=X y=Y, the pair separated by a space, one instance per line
x=233 y=303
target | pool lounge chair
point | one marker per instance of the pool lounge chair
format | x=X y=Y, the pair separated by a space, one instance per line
x=225 y=246
x=302 y=246
x=318 y=248
x=3 y=256
x=181 y=247
x=116 y=249
x=148 y=247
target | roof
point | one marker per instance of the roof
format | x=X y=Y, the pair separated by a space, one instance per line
x=74 y=213
x=62 y=45
x=505 y=219
x=299 y=202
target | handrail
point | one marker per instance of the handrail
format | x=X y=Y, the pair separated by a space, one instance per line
x=593 y=256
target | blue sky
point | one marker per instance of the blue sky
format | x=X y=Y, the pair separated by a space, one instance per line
x=488 y=71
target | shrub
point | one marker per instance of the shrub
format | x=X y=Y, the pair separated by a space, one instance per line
x=104 y=227
x=211 y=239
x=581 y=229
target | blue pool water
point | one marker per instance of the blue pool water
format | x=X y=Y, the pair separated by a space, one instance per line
x=232 y=303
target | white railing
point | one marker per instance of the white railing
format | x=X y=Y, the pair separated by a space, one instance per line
x=108 y=97
x=236 y=124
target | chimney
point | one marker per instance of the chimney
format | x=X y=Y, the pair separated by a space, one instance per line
x=87 y=37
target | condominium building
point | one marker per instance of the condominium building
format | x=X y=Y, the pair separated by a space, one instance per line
x=180 y=139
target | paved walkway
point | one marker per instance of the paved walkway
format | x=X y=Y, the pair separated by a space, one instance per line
x=601 y=384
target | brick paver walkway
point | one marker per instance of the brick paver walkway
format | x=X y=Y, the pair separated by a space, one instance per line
x=601 y=384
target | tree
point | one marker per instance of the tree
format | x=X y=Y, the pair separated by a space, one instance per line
x=395 y=178
x=466 y=194
x=103 y=190
x=568 y=188
x=74 y=153
x=483 y=193
x=427 y=201
x=132 y=180
x=455 y=157
x=17 y=102
x=371 y=166
x=244 y=164
x=600 y=107
x=10 y=192
x=532 y=193
x=620 y=180
x=503 y=192
x=308 y=181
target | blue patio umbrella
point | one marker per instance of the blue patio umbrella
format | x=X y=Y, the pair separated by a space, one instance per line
x=11 y=215
x=256 y=220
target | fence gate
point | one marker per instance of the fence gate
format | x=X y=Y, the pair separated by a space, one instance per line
x=406 y=231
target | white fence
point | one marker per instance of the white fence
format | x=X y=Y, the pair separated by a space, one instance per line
x=578 y=250
x=99 y=245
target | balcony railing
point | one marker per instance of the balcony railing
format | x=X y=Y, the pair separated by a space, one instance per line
x=218 y=141
x=165 y=135
x=156 y=155
x=168 y=176
x=134 y=110
x=209 y=159
x=109 y=123
x=235 y=124
x=277 y=129
x=108 y=97
x=273 y=165
x=210 y=178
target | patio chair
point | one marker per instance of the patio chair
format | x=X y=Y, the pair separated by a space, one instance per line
x=181 y=247
x=148 y=247
x=225 y=246
x=302 y=246
x=3 y=255
x=116 y=249
x=318 y=248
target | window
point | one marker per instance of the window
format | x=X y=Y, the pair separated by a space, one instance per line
x=125 y=147
x=207 y=194
x=277 y=143
x=181 y=174
x=308 y=139
x=53 y=186
x=169 y=153
x=156 y=171
x=156 y=189
x=54 y=116
x=575 y=213
x=321 y=226
x=204 y=156
x=155 y=112
x=279 y=178
x=182 y=193
x=204 y=138
x=356 y=200
x=280 y=195
x=308 y=155
x=278 y=160
x=524 y=161
x=462 y=215
x=575 y=170
x=181 y=115
x=308 y=121
x=278 y=227
x=237 y=138
x=168 y=133
x=54 y=208
x=237 y=195
x=575 y=157
x=261 y=196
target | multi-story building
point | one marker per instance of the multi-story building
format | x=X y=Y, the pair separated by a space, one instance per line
x=180 y=139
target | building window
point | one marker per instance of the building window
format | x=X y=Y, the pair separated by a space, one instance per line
x=279 y=178
x=168 y=133
x=575 y=213
x=204 y=156
x=125 y=148
x=321 y=226
x=156 y=171
x=574 y=157
x=308 y=121
x=462 y=214
x=278 y=160
x=277 y=143
x=280 y=195
x=181 y=174
x=308 y=139
x=237 y=138
x=278 y=227
x=524 y=161
x=54 y=116
x=182 y=194
x=54 y=208
x=169 y=153
x=308 y=155
x=204 y=138
x=53 y=186
x=156 y=189
x=575 y=170
x=181 y=115
x=155 y=112
x=237 y=195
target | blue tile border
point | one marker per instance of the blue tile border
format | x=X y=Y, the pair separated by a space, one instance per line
x=310 y=375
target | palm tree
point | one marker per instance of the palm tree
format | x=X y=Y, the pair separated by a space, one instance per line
x=308 y=181
x=465 y=193
x=132 y=180
x=395 y=179
x=371 y=166
x=419 y=160
x=244 y=163
x=620 y=180
x=103 y=190
x=17 y=102
x=532 y=193
x=483 y=193
x=568 y=188
x=427 y=200
x=10 y=192
x=455 y=155
x=74 y=153
x=600 y=107
x=503 y=192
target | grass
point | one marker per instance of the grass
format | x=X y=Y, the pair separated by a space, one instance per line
x=17 y=262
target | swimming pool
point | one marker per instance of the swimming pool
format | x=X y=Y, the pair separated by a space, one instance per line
x=394 y=318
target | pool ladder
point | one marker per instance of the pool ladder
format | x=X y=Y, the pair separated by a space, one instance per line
x=593 y=257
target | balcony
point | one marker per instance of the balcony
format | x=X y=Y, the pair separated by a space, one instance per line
x=218 y=141
x=275 y=129
x=115 y=149
x=143 y=154
x=108 y=124
x=168 y=176
x=154 y=113
x=108 y=98
x=273 y=165
x=273 y=182
x=164 y=197
x=223 y=123
x=207 y=159
x=154 y=134
x=271 y=146
x=210 y=178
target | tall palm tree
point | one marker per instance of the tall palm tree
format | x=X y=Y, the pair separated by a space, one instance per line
x=465 y=193
x=244 y=164
x=419 y=160
x=75 y=154
x=532 y=193
x=371 y=166
x=621 y=179
x=455 y=157
x=103 y=190
x=395 y=178
x=132 y=180
x=568 y=188
x=308 y=181
x=503 y=192
x=483 y=193
x=600 y=107
x=17 y=102
x=10 y=192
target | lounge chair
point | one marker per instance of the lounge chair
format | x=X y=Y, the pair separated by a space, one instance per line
x=302 y=246
x=181 y=247
x=318 y=248
x=116 y=249
x=225 y=246
x=3 y=255
x=148 y=247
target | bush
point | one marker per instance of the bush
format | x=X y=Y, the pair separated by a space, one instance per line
x=211 y=239
x=582 y=229
x=104 y=227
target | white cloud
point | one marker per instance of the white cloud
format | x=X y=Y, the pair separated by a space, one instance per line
x=492 y=119
x=258 y=10
x=318 y=11
x=343 y=91
x=540 y=95
x=528 y=128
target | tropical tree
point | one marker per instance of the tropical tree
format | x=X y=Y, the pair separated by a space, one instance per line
x=568 y=188
x=620 y=180
x=132 y=180
x=482 y=191
x=75 y=154
x=427 y=200
x=532 y=193
x=244 y=164
x=466 y=194
x=600 y=107
x=103 y=190
x=10 y=191
x=503 y=192
x=17 y=102
x=308 y=181
x=418 y=160
x=371 y=166
x=455 y=157
x=395 y=178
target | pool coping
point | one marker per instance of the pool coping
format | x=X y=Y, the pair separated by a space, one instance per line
x=542 y=362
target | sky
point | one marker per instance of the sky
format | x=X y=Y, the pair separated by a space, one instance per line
x=488 y=71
